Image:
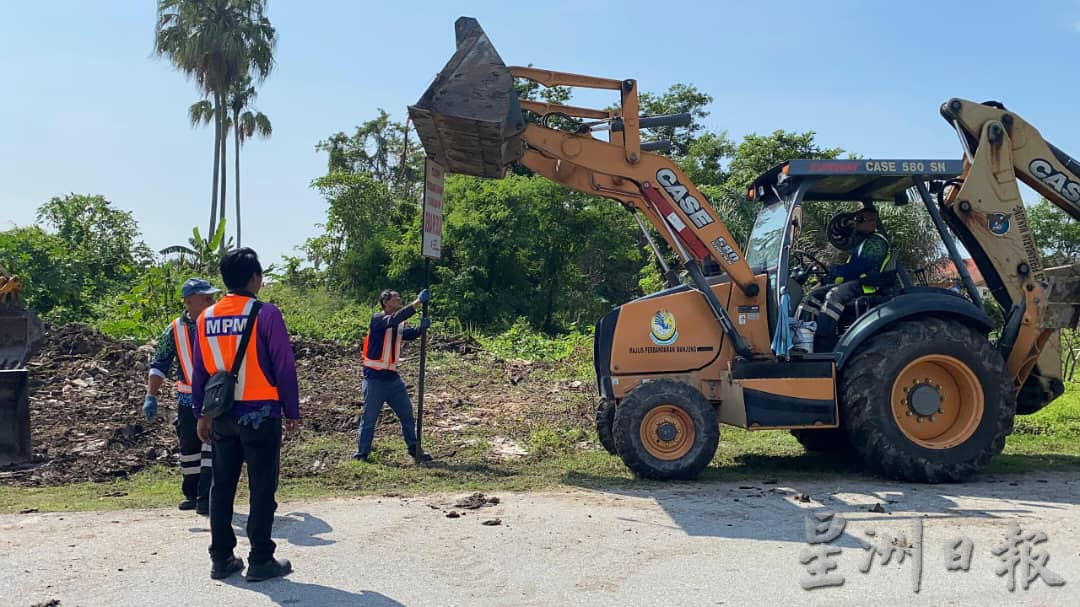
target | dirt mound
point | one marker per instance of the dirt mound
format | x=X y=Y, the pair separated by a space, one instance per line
x=86 y=393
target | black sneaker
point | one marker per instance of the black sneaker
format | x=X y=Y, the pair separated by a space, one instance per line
x=360 y=458
x=424 y=456
x=223 y=569
x=203 y=508
x=267 y=570
x=187 y=505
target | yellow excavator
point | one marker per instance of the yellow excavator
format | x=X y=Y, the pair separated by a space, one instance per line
x=917 y=380
x=20 y=332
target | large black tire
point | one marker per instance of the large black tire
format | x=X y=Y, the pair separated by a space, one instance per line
x=826 y=440
x=867 y=407
x=691 y=448
x=605 y=422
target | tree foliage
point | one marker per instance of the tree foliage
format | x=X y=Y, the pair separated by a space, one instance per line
x=1056 y=233
x=517 y=251
x=381 y=148
x=82 y=250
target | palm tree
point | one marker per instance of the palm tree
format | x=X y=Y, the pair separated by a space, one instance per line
x=216 y=42
x=245 y=126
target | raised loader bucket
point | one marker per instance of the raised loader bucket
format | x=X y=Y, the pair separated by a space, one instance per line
x=469 y=119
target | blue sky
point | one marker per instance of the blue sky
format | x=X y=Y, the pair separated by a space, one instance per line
x=89 y=109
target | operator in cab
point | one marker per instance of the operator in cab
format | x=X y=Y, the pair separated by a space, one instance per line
x=844 y=282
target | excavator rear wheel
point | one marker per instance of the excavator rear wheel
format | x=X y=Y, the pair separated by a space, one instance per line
x=927 y=400
x=666 y=430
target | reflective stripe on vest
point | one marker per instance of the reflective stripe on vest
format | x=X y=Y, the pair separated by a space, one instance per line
x=220 y=329
x=390 y=350
x=884 y=262
x=182 y=341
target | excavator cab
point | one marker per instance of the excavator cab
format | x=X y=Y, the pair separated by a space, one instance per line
x=773 y=245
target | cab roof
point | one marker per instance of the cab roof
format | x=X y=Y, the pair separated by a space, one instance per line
x=860 y=180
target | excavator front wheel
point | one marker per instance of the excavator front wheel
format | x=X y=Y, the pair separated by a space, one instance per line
x=666 y=430
x=605 y=425
x=927 y=400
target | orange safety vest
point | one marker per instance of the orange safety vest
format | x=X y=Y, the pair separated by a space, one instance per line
x=390 y=349
x=220 y=328
x=183 y=355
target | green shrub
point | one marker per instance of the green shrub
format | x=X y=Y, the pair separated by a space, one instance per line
x=316 y=313
x=522 y=341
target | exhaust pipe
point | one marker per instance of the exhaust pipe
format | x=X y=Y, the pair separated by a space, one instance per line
x=469 y=119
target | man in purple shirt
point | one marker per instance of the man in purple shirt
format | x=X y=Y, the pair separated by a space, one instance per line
x=251 y=431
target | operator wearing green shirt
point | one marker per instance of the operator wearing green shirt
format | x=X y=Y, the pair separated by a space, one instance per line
x=844 y=282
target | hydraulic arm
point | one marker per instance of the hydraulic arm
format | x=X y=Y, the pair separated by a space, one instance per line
x=449 y=120
x=987 y=213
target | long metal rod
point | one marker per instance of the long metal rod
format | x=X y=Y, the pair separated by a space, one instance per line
x=946 y=237
x=669 y=276
x=423 y=370
x=737 y=341
x=694 y=268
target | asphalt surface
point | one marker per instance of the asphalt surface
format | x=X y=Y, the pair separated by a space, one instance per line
x=687 y=544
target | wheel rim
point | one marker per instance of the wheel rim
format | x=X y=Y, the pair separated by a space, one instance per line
x=667 y=432
x=937 y=401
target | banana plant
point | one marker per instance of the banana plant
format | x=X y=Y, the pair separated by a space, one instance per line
x=200 y=254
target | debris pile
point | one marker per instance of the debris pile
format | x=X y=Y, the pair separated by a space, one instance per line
x=86 y=392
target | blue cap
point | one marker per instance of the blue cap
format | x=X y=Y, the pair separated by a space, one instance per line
x=197 y=286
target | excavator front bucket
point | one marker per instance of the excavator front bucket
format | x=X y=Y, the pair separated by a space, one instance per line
x=20 y=333
x=469 y=119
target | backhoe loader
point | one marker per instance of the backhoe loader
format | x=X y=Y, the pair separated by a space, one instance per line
x=920 y=384
x=20 y=332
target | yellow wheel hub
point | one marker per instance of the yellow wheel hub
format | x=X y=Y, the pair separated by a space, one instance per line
x=667 y=432
x=937 y=401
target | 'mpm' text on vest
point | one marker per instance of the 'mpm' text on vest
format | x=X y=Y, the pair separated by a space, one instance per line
x=225 y=325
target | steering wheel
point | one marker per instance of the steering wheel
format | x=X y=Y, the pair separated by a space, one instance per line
x=806 y=265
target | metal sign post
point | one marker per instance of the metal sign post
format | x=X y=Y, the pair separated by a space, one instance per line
x=431 y=248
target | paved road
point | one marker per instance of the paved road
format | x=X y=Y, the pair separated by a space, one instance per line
x=689 y=544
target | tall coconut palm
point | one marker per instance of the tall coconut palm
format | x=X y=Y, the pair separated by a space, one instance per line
x=216 y=42
x=245 y=126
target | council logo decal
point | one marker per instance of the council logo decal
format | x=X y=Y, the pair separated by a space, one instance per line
x=664 y=330
x=998 y=223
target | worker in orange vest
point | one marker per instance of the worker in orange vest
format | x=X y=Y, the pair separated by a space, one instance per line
x=250 y=431
x=381 y=383
x=177 y=344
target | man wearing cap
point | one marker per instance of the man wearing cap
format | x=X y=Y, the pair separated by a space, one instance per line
x=843 y=284
x=381 y=383
x=177 y=343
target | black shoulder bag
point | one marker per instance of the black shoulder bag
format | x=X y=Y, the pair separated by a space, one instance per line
x=219 y=393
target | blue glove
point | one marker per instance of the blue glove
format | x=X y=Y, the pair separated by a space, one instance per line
x=149 y=407
x=425 y=322
x=424 y=296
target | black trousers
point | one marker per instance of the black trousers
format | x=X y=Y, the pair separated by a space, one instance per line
x=260 y=449
x=195 y=458
x=826 y=304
